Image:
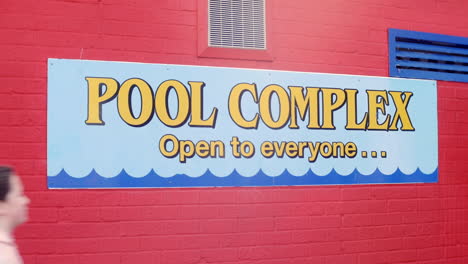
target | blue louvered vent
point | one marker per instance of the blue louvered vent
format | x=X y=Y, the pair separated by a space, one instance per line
x=428 y=56
x=237 y=24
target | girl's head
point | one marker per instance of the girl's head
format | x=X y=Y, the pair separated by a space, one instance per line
x=13 y=202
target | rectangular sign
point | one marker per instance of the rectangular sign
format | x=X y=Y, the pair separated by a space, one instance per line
x=120 y=125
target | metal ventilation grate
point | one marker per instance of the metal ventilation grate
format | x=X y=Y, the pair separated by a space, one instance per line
x=237 y=24
x=428 y=56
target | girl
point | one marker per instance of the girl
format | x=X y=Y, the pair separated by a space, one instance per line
x=13 y=212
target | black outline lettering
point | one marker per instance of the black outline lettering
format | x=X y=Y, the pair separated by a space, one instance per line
x=130 y=91
x=389 y=117
x=397 y=111
x=165 y=145
x=366 y=115
x=178 y=103
x=103 y=102
x=323 y=109
x=279 y=108
x=214 y=112
x=294 y=107
x=251 y=147
x=255 y=97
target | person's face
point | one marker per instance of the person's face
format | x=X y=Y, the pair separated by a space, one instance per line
x=15 y=206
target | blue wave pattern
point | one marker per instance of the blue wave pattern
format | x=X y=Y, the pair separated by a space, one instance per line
x=208 y=179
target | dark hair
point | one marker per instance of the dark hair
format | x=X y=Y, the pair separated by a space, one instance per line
x=5 y=173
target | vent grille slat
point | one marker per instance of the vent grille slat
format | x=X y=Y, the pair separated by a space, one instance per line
x=430 y=48
x=428 y=56
x=431 y=66
x=237 y=24
x=442 y=58
x=447 y=76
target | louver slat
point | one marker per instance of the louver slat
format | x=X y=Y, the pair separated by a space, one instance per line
x=237 y=24
x=429 y=66
x=430 y=48
x=428 y=56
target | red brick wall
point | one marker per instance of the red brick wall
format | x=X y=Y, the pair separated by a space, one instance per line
x=409 y=223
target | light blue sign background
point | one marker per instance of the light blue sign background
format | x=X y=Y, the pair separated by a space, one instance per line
x=78 y=152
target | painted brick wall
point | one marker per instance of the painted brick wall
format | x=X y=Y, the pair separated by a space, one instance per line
x=410 y=223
